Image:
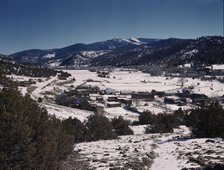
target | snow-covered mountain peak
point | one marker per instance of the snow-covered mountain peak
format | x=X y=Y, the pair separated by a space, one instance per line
x=133 y=40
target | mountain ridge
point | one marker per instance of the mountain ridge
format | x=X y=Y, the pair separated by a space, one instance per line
x=125 y=52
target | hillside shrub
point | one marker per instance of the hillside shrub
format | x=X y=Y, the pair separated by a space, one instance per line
x=75 y=128
x=99 y=127
x=146 y=118
x=164 y=123
x=121 y=126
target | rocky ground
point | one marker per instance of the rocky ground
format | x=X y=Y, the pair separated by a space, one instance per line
x=174 y=151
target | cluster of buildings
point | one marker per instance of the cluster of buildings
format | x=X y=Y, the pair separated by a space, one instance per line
x=92 y=98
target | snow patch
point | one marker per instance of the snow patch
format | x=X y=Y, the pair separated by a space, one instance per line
x=49 y=55
x=218 y=67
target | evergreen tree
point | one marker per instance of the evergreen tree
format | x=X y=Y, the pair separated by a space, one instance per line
x=164 y=124
x=121 y=126
x=29 y=138
x=99 y=127
x=146 y=118
x=76 y=128
x=207 y=122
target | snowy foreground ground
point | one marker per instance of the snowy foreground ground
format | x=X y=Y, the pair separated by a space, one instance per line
x=151 y=151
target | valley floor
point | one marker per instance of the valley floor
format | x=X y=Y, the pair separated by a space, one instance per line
x=139 y=151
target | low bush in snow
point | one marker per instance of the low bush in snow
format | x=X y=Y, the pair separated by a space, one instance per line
x=99 y=127
x=163 y=123
x=121 y=126
x=146 y=118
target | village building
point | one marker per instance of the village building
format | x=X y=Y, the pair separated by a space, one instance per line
x=143 y=96
x=113 y=104
x=125 y=101
x=112 y=98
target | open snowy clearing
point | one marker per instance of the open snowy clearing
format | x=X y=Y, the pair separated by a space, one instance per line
x=126 y=80
x=218 y=66
x=124 y=152
x=62 y=112
x=138 y=81
x=151 y=151
x=119 y=80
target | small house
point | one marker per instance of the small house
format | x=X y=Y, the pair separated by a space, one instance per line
x=113 y=104
x=112 y=99
x=99 y=98
x=169 y=100
x=62 y=77
x=143 y=96
x=127 y=102
x=173 y=92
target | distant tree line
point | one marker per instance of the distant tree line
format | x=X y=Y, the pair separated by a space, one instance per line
x=27 y=70
x=6 y=82
x=162 y=122
x=96 y=127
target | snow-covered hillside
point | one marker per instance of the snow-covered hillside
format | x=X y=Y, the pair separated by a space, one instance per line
x=168 y=151
x=151 y=151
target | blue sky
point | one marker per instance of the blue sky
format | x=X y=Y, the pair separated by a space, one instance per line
x=27 y=24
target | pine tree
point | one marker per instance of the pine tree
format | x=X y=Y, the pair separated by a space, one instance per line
x=121 y=126
x=29 y=138
x=75 y=128
x=99 y=127
x=207 y=122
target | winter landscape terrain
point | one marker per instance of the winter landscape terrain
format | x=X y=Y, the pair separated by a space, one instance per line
x=112 y=85
x=122 y=80
x=140 y=151
x=158 y=102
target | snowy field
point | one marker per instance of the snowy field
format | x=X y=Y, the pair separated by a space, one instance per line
x=151 y=151
x=218 y=66
x=120 y=81
x=127 y=80
x=138 y=81
x=63 y=112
